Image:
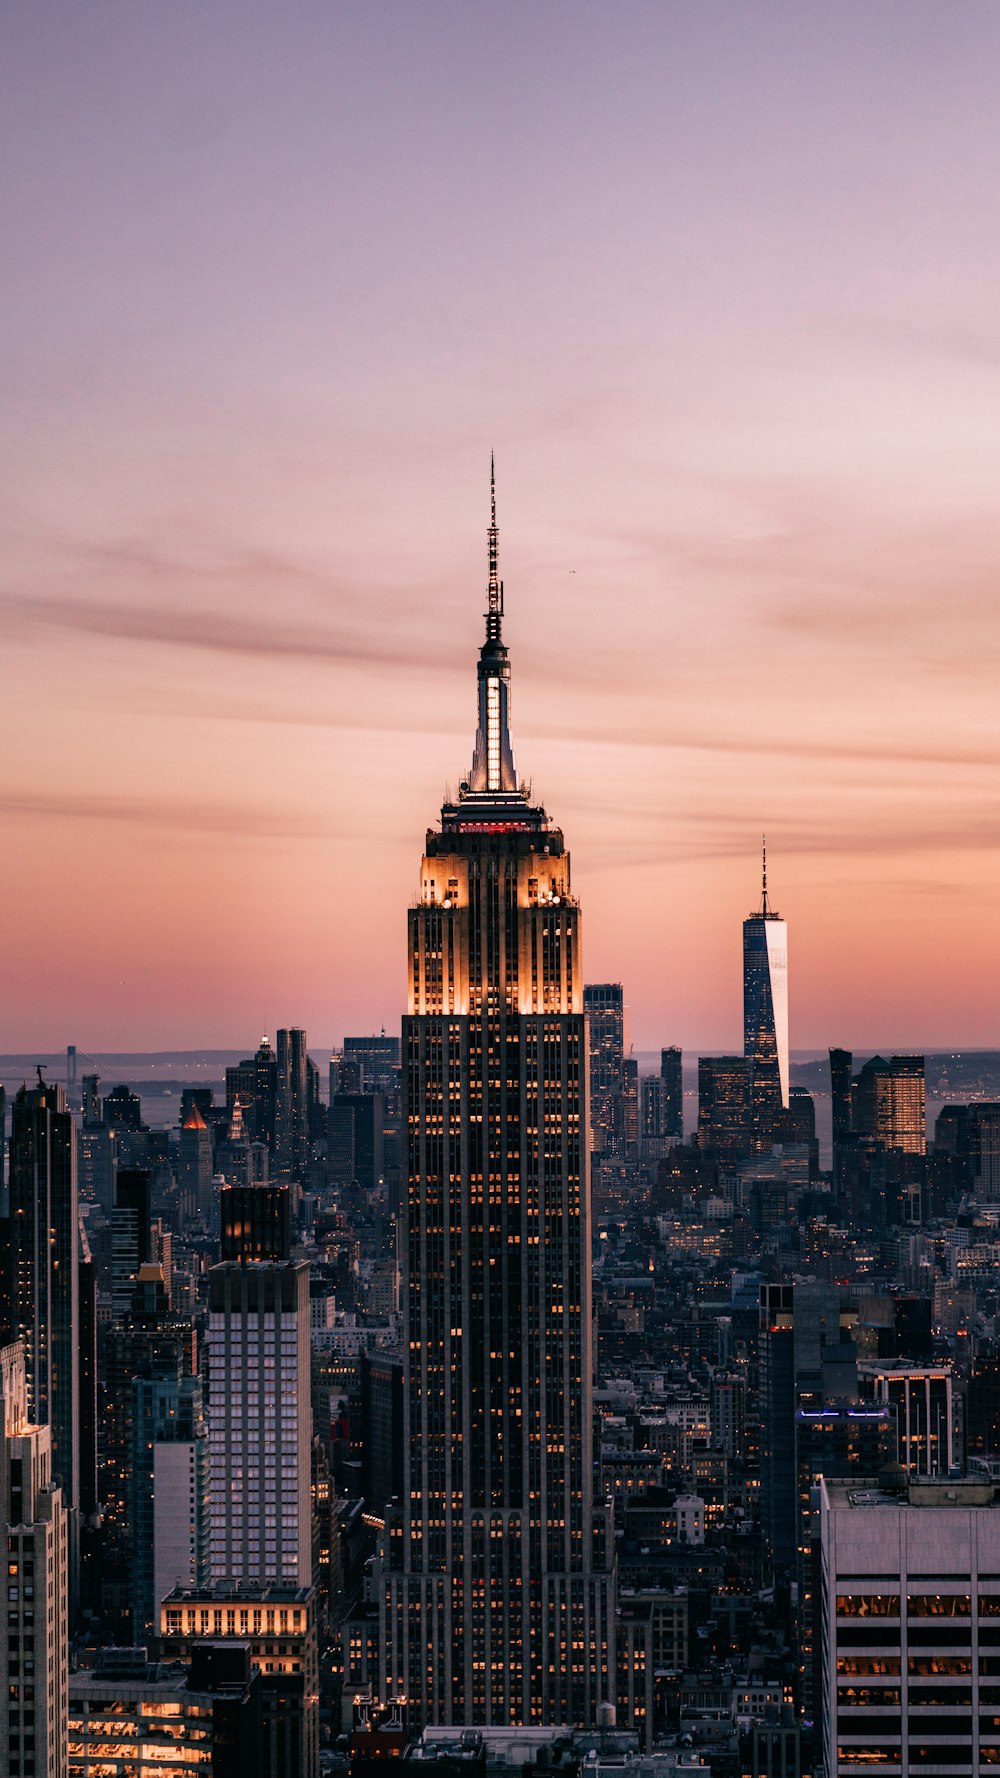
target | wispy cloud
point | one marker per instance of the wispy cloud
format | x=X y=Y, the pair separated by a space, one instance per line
x=160 y=812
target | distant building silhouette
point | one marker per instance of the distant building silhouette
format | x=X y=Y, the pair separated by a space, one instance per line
x=765 y=1017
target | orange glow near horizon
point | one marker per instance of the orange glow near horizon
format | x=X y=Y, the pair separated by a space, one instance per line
x=721 y=294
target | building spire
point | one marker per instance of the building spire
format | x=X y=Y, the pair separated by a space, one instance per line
x=493 y=770
x=495 y=612
x=765 y=910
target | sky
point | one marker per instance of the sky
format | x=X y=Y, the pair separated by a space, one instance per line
x=717 y=283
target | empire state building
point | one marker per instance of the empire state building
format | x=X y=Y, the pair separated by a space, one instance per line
x=497 y=1596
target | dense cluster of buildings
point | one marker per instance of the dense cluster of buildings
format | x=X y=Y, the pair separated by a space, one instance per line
x=488 y=1404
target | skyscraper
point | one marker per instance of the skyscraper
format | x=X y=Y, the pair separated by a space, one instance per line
x=673 y=1091
x=259 y=1422
x=369 y=1065
x=34 y=1640
x=604 y=1005
x=841 y=1065
x=497 y=1604
x=723 y=1093
x=194 y=1166
x=44 y=1260
x=765 y=1015
x=889 y=1103
x=254 y=1083
x=291 y=1106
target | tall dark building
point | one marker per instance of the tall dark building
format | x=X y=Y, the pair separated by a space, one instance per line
x=254 y=1083
x=150 y=1343
x=382 y=1436
x=604 y=1005
x=841 y=1072
x=291 y=1106
x=123 y=1109
x=723 y=1105
x=44 y=1261
x=630 y=1108
x=355 y=1141
x=671 y=1074
x=369 y=1064
x=87 y=1293
x=91 y=1099
x=765 y=1016
x=130 y=1236
x=255 y=1224
x=800 y=1331
x=498 y=1589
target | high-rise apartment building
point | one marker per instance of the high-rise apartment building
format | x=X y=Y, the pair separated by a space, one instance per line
x=497 y=1599
x=604 y=1005
x=765 y=1016
x=44 y=1258
x=34 y=1628
x=259 y=1423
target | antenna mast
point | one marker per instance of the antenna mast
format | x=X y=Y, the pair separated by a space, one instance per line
x=495 y=612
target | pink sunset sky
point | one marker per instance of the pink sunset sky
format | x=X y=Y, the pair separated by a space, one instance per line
x=719 y=283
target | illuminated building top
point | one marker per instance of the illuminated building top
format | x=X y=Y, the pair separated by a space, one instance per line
x=490 y=800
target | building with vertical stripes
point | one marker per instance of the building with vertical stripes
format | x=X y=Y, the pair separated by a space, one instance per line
x=497 y=1594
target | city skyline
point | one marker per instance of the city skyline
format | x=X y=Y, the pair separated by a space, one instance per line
x=719 y=291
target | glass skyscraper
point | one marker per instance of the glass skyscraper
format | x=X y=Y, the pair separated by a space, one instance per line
x=497 y=1604
x=44 y=1278
x=765 y=1016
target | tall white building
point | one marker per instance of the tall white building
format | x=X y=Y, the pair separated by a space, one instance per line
x=909 y=1628
x=259 y=1424
x=34 y=1632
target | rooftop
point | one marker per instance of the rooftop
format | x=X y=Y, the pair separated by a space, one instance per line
x=965 y=1492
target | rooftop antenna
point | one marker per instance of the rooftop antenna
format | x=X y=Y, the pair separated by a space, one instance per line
x=765 y=910
x=495 y=612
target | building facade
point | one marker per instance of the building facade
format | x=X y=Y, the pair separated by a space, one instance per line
x=672 y=1106
x=278 y=1626
x=259 y=1423
x=497 y=1602
x=765 y=1016
x=44 y=1257
x=34 y=1626
x=909 y=1627
x=604 y=1005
